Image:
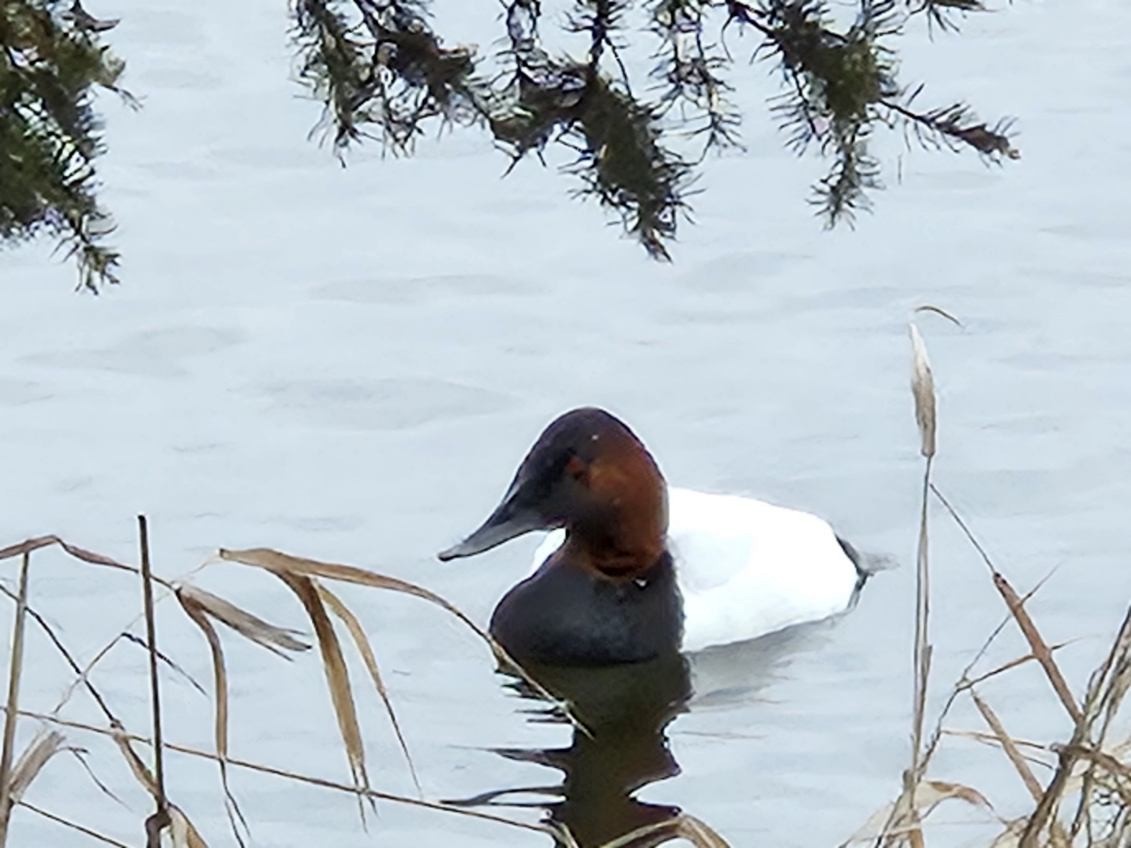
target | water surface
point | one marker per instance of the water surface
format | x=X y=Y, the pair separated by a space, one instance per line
x=349 y=364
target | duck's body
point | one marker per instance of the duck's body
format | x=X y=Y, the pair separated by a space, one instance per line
x=745 y=568
x=615 y=583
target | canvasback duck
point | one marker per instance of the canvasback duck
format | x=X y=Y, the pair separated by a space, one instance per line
x=614 y=582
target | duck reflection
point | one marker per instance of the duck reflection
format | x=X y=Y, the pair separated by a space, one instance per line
x=626 y=710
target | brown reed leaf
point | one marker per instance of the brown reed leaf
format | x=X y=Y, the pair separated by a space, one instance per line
x=1037 y=644
x=247 y=624
x=198 y=612
x=366 y=650
x=139 y=769
x=337 y=677
x=29 y=545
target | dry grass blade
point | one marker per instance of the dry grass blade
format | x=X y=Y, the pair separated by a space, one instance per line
x=337 y=678
x=249 y=626
x=31 y=763
x=1037 y=645
x=141 y=772
x=683 y=826
x=281 y=563
x=12 y=703
x=139 y=769
x=196 y=612
x=1008 y=745
x=366 y=650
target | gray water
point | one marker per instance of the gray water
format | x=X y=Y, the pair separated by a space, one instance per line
x=349 y=363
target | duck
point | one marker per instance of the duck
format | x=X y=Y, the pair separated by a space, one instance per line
x=631 y=569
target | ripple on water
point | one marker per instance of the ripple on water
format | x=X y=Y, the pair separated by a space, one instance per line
x=156 y=353
x=415 y=290
x=15 y=392
x=391 y=403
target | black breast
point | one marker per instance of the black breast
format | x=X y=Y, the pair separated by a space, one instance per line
x=568 y=616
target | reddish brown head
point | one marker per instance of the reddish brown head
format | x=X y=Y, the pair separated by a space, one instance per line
x=589 y=474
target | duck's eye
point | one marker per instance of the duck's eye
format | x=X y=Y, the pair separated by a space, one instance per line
x=576 y=467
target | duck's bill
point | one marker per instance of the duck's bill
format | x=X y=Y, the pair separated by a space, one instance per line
x=504 y=524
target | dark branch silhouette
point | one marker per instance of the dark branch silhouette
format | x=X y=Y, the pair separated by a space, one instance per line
x=383 y=73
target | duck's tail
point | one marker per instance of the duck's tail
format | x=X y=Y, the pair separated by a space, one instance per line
x=865 y=564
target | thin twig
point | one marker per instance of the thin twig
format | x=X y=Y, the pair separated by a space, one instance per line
x=86 y=831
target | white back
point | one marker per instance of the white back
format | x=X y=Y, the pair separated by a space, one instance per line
x=746 y=567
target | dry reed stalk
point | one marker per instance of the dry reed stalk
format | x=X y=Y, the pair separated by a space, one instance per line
x=904 y=815
x=160 y=819
x=1037 y=645
x=1106 y=690
x=12 y=703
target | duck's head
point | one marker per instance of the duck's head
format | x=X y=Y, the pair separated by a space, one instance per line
x=588 y=473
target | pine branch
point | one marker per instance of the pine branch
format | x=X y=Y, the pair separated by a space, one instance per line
x=956 y=126
x=51 y=63
x=381 y=71
x=691 y=70
x=941 y=13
